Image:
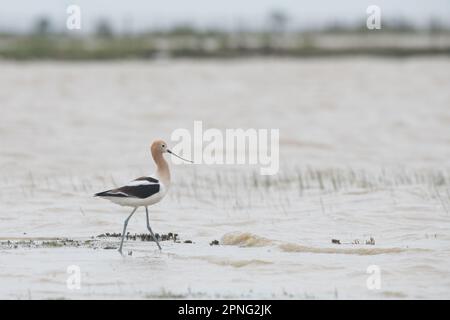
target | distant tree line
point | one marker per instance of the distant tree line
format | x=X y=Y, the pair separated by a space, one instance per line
x=277 y=22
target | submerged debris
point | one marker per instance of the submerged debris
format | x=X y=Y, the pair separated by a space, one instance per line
x=109 y=235
x=166 y=237
x=98 y=242
x=142 y=236
x=48 y=243
x=214 y=243
x=371 y=241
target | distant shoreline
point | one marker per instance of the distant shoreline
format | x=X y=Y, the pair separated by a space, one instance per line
x=230 y=46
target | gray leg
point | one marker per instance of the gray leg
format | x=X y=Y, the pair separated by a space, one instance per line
x=125 y=229
x=150 y=229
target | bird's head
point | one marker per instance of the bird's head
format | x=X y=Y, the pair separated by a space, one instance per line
x=160 y=146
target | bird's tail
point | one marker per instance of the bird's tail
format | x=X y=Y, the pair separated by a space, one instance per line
x=101 y=194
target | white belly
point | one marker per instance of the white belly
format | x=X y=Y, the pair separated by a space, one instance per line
x=137 y=202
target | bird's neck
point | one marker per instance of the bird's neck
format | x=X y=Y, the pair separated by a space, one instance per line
x=162 y=168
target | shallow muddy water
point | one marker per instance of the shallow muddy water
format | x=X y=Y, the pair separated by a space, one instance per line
x=364 y=153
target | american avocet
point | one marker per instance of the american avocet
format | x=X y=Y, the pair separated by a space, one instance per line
x=144 y=191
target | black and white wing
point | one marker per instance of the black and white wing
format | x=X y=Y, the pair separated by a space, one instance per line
x=140 y=188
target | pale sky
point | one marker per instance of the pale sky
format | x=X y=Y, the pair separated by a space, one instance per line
x=20 y=15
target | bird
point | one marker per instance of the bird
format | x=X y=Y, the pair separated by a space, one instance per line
x=144 y=191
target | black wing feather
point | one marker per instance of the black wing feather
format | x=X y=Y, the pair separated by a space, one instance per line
x=141 y=192
x=149 y=179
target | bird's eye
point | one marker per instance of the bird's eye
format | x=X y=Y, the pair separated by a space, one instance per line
x=163 y=145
